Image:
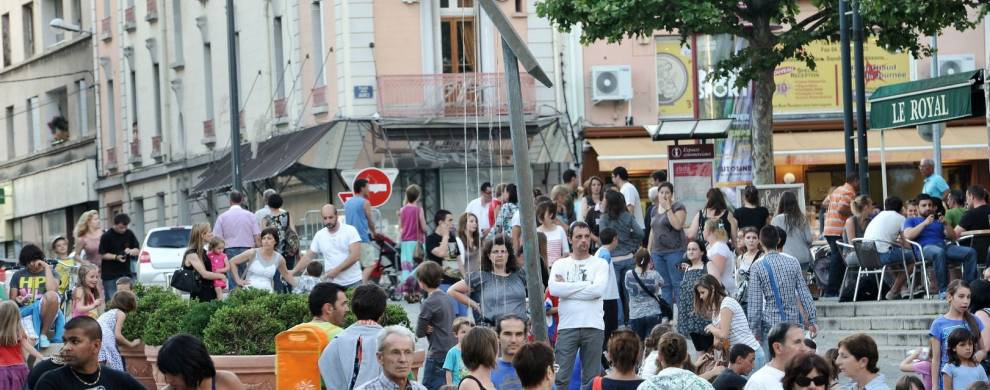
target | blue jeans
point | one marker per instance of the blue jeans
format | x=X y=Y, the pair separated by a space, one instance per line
x=231 y=252
x=644 y=325
x=433 y=374
x=941 y=254
x=668 y=265
x=893 y=256
x=621 y=266
x=836 y=267
x=109 y=288
x=34 y=310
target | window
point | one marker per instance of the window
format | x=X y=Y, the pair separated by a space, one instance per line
x=5 y=31
x=34 y=124
x=27 y=23
x=11 y=150
x=177 y=29
x=77 y=12
x=520 y=6
x=82 y=89
x=111 y=115
x=137 y=216
x=208 y=80
x=457 y=43
x=157 y=90
x=279 y=58
x=51 y=9
x=134 y=99
x=160 y=211
x=318 y=55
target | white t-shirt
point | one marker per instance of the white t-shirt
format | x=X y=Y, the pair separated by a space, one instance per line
x=885 y=226
x=728 y=276
x=481 y=212
x=334 y=248
x=632 y=199
x=581 y=292
x=514 y=221
x=739 y=331
x=557 y=246
x=766 y=378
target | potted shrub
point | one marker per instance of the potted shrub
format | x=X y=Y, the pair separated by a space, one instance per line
x=241 y=339
x=150 y=299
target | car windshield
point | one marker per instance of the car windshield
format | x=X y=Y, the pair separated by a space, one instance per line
x=172 y=238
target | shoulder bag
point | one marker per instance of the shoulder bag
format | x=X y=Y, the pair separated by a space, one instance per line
x=665 y=309
x=186 y=280
x=776 y=290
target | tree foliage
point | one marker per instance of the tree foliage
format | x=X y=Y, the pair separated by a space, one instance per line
x=776 y=30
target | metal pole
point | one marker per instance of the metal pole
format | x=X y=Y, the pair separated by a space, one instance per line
x=517 y=127
x=847 y=109
x=936 y=127
x=235 y=112
x=986 y=90
x=864 y=164
x=883 y=164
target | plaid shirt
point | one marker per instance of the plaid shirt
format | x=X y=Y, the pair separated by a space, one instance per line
x=762 y=309
x=383 y=383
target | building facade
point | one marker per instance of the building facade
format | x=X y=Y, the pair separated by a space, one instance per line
x=49 y=144
x=324 y=87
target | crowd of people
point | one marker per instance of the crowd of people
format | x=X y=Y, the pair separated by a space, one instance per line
x=625 y=289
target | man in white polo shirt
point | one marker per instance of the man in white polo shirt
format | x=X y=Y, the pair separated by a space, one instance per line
x=340 y=246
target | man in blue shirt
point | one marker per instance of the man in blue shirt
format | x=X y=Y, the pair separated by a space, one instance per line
x=930 y=231
x=935 y=186
x=511 y=330
x=357 y=213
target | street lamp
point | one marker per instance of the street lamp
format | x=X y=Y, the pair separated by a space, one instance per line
x=60 y=24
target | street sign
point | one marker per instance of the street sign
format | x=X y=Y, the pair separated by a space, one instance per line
x=379 y=183
x=364 y=92
x=344 y=196
x=690 y=151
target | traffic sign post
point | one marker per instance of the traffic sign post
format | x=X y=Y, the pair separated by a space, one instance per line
x=379 y=184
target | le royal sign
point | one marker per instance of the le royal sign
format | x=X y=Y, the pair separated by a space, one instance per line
x=928 y=101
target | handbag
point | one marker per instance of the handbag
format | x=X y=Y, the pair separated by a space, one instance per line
x=186 y=280
x=665 y=309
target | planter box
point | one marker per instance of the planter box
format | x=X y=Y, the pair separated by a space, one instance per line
x=255 y=372
x=158 y=380
x=138 y=365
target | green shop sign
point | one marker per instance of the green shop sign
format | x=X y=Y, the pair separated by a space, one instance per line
x=927 y=101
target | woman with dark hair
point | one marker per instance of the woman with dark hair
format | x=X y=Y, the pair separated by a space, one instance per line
x=468 y=243
x=630 y=234
x=479 y=351
x=673 y=354
x=688 y=321
x=790 y=218
x=728 y=319
x=808 y=372
x=752 y=214
x=262 y=264
x=506 y=211
x=186 y=365
x=591 y=211
x=715 y=208
x=624 y=350
x=501 y=285
x=667 y=240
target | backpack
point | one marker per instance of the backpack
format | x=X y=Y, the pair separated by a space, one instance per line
x=296 y=353
x=289 y=240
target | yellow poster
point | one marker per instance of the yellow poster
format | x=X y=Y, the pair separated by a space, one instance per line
x=802 y=90
x=675 y=73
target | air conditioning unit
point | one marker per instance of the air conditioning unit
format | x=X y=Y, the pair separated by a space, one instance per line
x=955 y=63
x=612 y=82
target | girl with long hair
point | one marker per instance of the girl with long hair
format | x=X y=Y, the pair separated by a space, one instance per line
x=958 y=316
x=751 y=214
x=591 y=211
x=412 y=231
x=667 y=240
x=86 y=296
x=962 y=370
x=13 y=342
x=715 y=208
x=630 y=234
x=721 y=259
x=728 y=318
x=862 y=212
x=469 y=244
x=643 y=286
x=87 y=234
x=790 y=218
x=688 y=321
x=546 y=223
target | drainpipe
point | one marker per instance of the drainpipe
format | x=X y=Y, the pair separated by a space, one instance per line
x=95 y=40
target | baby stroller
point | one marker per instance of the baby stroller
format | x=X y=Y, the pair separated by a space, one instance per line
x=386 y=271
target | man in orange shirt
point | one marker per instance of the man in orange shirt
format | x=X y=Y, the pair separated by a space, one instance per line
x=835 y=220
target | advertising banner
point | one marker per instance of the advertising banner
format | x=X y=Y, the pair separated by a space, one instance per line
x=675 y=79
x=692 y=178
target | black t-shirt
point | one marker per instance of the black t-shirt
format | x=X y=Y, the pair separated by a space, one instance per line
x=729 y=380
x=109 y=379
x=113 y=242
x=755 y=217
x=977 y=218
x=39 y=369
x=613 y=384
x=433 y=241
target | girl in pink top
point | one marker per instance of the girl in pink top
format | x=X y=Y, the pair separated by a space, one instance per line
x=412 y=225
x=86 y=296
x=218 y=261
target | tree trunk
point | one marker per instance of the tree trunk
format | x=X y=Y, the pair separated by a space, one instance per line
x=762 y=127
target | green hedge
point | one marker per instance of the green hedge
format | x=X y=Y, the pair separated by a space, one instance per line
x=149 y=300
x=163 y=322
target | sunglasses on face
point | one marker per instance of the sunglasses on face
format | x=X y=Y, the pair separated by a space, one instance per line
x=804 y=381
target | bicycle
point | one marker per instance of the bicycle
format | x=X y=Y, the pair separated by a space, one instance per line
x=73 y=270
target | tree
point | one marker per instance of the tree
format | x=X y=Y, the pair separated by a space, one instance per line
x=896 y=24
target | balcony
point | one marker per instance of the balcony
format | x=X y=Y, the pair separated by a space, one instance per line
x=106 y=29
x=111 y=161
x=209 y=134
x=156 y=148
x=319 y=96
x=130 y=21
x=450 y=95
x=152 y=11
x=135 y=158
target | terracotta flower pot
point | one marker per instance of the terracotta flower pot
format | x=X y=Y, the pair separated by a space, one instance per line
x=137 y=364
x=256 y=372
x=158 y=380
x=418 y=358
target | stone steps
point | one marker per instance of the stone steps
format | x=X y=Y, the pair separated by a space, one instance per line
x=892 y=338
x=882 y=308
x=870 y=324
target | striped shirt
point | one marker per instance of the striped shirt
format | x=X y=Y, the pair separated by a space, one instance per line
x=739 y=331
x=835 y=221
x=762 y=310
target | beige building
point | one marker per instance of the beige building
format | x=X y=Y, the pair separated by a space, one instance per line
x=48 y=145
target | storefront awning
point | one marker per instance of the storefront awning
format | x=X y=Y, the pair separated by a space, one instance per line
x=277 y=154
x=689 y=129
x=635 y=154
x=932 y=100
